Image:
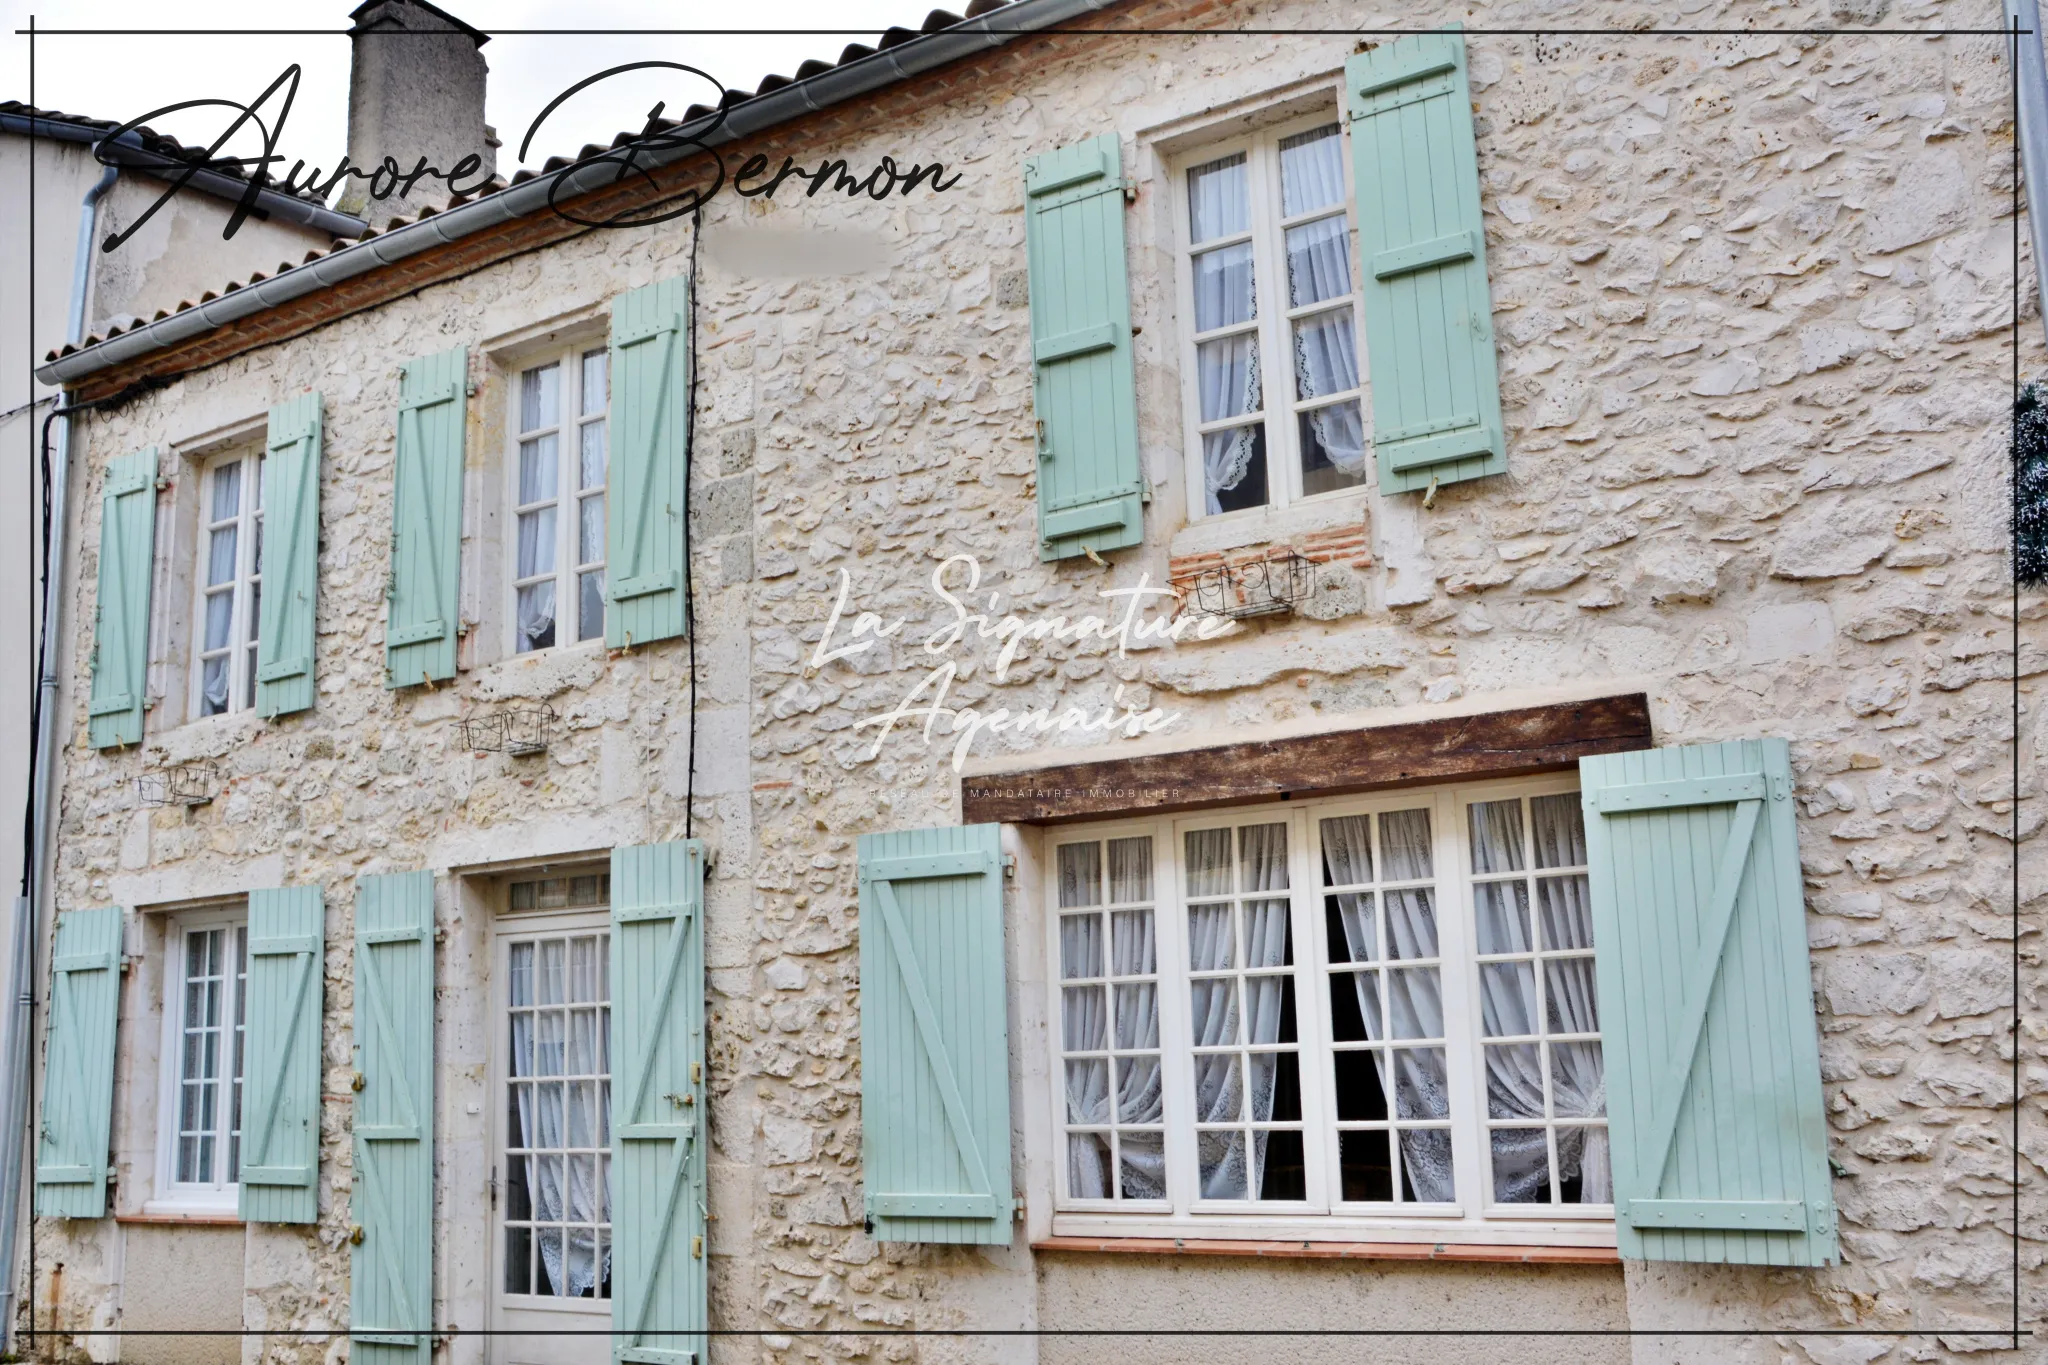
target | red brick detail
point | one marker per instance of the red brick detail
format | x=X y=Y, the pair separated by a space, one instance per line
x=1339 y=545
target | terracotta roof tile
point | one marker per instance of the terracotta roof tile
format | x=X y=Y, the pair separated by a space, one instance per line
x=152 y=141
x=936 y=21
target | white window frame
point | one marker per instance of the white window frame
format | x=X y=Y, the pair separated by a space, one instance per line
x=171 y=1194
x=244 y=589
x=1473 y=1218
x=1273 y=324
x=569 y=494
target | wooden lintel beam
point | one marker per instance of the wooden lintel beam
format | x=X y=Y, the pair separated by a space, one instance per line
x=1493 y=744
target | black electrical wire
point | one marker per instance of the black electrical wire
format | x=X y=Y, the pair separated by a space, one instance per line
x=31 y=874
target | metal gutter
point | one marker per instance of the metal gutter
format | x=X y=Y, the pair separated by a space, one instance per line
x=17 y=1026
x=131 y=151
x=754 y=115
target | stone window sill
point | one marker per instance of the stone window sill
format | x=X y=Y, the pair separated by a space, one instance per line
x=1270 y=525
x=1340 y=1251
x=201 y=737
x=161 y=1217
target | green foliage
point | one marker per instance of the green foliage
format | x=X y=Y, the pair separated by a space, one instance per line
x=2030 y=486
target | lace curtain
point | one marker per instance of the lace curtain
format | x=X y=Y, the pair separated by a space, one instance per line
x=1318 y=268
x=539 y=481
x=1227 y=369
x=1087 y=1021
x=1514 y=1077
x=1227 y=372
x=573 y=1114
x=222 y=544
x=1412 y=1078
x=1228 y=1169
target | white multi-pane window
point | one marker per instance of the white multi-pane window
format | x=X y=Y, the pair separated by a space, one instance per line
x=1267 y=270
x=555 y=1220
x=558 y=501
x=1351 y=1011
x=230 y=583
x=206 y=961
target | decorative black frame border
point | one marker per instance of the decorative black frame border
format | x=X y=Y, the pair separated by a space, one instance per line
x=2013 y=34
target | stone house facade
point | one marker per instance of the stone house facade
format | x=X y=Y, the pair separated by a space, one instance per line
x=1751 y=340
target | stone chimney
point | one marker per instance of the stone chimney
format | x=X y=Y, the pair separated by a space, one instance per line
x=415 y=89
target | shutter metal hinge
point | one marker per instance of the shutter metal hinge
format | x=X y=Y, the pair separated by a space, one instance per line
x=494 y=1187
x=697 y=1247
x=1010 y=865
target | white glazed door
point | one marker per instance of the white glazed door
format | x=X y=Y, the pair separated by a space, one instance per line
x=551 y=1086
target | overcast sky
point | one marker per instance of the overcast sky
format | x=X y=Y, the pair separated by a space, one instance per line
x=120 y=76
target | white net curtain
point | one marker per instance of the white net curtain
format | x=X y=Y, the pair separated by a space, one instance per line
x=1414 y=1077
x=1509 y=1005
x=1232 y=1163
x=1319 y=268
x=561 y=1116
x=1134 y=1095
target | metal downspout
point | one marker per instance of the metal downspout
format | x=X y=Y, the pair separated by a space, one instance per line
x=2025 y=16
x=17 y=1022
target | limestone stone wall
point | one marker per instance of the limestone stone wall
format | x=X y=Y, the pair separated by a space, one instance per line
x=1754 y=296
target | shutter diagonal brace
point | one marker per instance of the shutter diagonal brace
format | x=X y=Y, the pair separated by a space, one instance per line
x=630 y=583
x=266 y=1129
x=111 y=516
x=421 y=520
x=382 y=1216
x=934 y=1041
x=1692 y=1012
x=682 y=1135
x=69 y=1033
x=389 y=1032
x=685 y=1136
x=664 y=998
x=291 y=667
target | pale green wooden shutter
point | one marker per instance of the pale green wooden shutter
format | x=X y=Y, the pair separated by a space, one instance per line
x=660 y=1298
x=1422 y=243
x=391 y=1269
x=120 y=640
x=650 y=467
x=291 y=558
x=426 y=520
x=935 y=1057
x=1706 y=1007
x=78 y=1071
x=1090 y=486
x=281 y=1067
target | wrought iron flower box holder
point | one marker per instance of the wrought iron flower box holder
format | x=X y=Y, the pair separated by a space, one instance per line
x=1262 y=587
x=515 y=730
